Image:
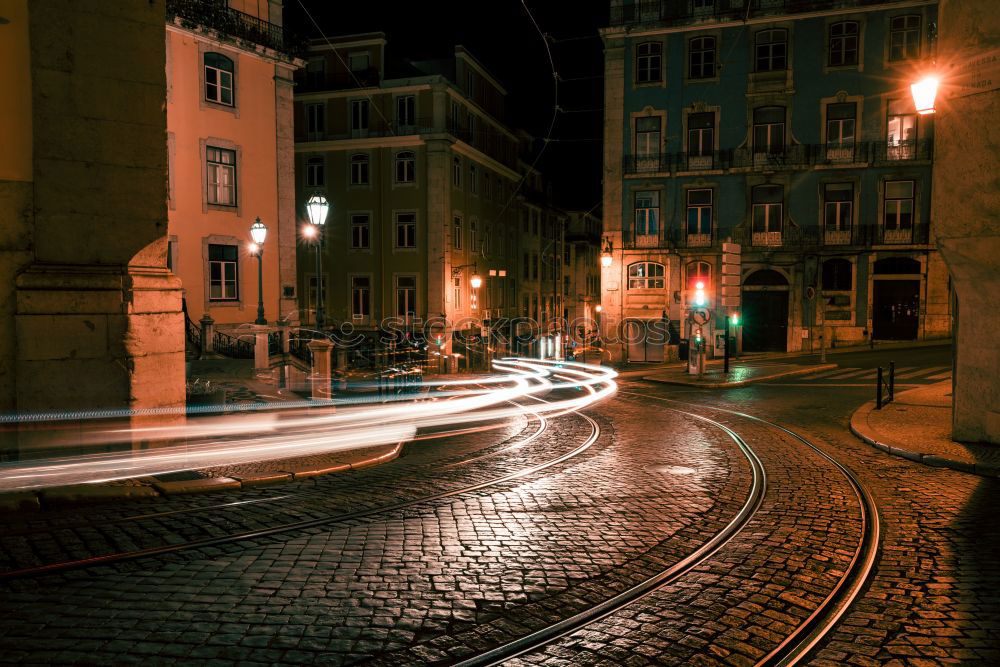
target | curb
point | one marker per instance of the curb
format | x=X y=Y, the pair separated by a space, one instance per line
x=740 y=383
x=929 y=460
x=78 y=495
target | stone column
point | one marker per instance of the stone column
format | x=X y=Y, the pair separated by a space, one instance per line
x=321 y=370
x=261 y=353
x=207 y=335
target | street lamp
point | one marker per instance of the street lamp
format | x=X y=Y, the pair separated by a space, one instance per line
x=258 y=232
x=318 y=208
x=924 y=92
x=606 y=256
x=476 y=281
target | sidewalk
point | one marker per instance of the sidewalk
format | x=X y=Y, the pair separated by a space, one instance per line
x=917 y=426
x=740 y=374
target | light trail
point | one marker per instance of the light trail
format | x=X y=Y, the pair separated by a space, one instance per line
x=283 y=433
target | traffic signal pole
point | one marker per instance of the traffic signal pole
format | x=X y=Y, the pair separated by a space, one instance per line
x=725 y=348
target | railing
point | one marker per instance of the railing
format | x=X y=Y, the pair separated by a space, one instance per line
x=299 y=348
x=192 y=332
x=787 y=157
x=274 y=346
x=679 y=12
x=219 y=16
x=233 y=347
x=699 y=240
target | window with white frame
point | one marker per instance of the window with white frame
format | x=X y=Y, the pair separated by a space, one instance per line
x=767 y=213
x=904 y=37
x=701 y=133
x=648 y=62
x=645 y=275
x=315 y=171
x=898 y=206
x=843 y=48
x=361 y=288
x=360 y=231
x=315 y=120
x=223 y=282
x=359 y=116
x=456 y=232
x=701 y=58
x=406 y=296
x=838 y=207
x=406 y=111
x=771 y=50
x=647 y=213
x=901 y=130
x=769 y=130
x=456 y=171
x=219 y=72
x=406 y=167
x=359 y=169
x=699 y=212
x=221 y=175
x=456 y=291
x=841 y=120
x=647 y=141
x=406 y=230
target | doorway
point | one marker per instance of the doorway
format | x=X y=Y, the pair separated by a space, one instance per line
x=896 y=309
x=765 y=312
x=645 y=340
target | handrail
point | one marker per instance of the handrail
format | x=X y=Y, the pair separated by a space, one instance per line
x=233 y=347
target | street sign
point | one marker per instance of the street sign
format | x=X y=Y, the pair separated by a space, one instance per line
x=975 y=75
x=700 y=316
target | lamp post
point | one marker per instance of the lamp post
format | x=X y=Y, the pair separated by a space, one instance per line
x=318 y=208
x=258 y=232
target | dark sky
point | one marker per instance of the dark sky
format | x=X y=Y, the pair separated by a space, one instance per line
x=502 y=36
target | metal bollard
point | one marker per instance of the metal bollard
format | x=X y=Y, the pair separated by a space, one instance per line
x=892 y=380
x=878 y=390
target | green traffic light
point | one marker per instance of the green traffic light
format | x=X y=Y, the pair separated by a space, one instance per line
x=734 y=319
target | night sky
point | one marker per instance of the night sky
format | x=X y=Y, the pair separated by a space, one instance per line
x=501 y=35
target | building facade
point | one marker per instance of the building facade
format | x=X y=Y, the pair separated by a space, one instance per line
x=231 y=158
x=582 y=282
x=420 y=170
x=787 y=136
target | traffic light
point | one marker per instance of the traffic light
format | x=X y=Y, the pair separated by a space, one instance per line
x=699 y=294
x=697 y=336
x=734 y=319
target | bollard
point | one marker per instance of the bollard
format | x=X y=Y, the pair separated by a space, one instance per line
x=892 y=380
x=207 y=336
x=878 y=390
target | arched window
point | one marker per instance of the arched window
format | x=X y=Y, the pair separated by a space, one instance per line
x=645 y=275
x=699 y=272
x=837 y=275
x=219 y=71
x=315 y=172
x=766 y=277
x=405 y=167
x=359 y=169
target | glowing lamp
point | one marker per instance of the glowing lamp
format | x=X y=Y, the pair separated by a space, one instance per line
x=309 y=231
x=924 y=92
x=606 y=260
x=258 y=232
x=598 y=308
x=734 y=319
x=476 y=281
x=253 y=248
x=317 y=208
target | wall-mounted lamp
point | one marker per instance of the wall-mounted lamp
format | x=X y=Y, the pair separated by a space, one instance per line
x=606 y=256
x=924 y=93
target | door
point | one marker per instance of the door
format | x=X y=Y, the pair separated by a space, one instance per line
x=645 y=340
x=895 y=309
x=765 y=320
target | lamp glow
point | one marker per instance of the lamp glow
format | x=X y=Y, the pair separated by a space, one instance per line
x=598 y=308
x=318 y=208
x=258 y=231
x=253 y=248
x=924 y=92
x=476 y=281
x=309 y=231
x=606 y=260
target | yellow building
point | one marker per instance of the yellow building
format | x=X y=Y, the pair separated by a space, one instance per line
x=231 y=157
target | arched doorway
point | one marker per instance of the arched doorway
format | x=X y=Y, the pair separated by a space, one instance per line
x=765 y=312
x=896 y=299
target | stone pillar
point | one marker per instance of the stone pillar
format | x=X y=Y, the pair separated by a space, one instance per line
x=613 y=277
x=321 y=370
x=261 y=353
x=207 y=336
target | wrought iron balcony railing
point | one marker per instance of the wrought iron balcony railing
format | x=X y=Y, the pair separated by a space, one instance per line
x=218 y=16
x=681 y=12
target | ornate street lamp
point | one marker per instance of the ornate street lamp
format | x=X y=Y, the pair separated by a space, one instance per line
x=258 y=232
x=476 y=281
x=924 y=92
x=318 y=208
x=606 y=256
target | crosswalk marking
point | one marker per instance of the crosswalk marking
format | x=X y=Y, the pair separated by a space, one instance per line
x=924 y=374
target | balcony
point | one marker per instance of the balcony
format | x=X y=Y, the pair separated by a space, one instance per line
x=837 y=237
x=769 y=239
x=376 y=128
x=699 y=240
x=316 y=82
x=903 y=151
x=682 y=12
x=220 y=17
x=903 y=236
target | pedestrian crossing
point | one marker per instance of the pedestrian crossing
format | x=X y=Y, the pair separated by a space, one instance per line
x=863 y=376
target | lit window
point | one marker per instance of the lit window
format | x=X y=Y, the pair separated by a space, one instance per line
x=218 y=79
x=645 y=275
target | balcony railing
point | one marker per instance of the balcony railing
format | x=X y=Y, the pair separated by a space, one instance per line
x=898 y=235
x=218 y=16
x=680 y=12
x=837 y=237
x=796 y=156
x=699 y=240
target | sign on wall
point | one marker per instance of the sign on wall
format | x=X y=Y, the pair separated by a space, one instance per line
x=977 y=74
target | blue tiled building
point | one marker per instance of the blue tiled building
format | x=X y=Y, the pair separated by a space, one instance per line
x=785 y=128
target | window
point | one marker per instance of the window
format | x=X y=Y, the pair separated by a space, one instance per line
x=647 y=62
x=315 y=172
x=361 y=296
x=473 y=138
x=405 y=167
x=647 y=213
x=699 y=213
x=701 y=134
x=904 y=38
x=470 y=83
x=837 y=275
x=843 y=44
x=456 y=233
x=701 y=58
x=222 y=272
x=221 y=174
x=359 y=169
x=316 y=73
x=456 y=172
x=838 y=211
x=456 y=114
x=360 y=231
x=358 y=62
x=406 y=296
x=898 y=214
x=456 y=291
x=218 y=79
x=770 y=52
x=699 y=272
x=645 y=275
x=359 y=116
x=840 y=124
x=405 y=111
x=473 y=236
x=647 y=142
x=769 y=130
x=315 y=120
x=406 y=230
x=473 y=179
x=767 y=212
x=901 y=130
